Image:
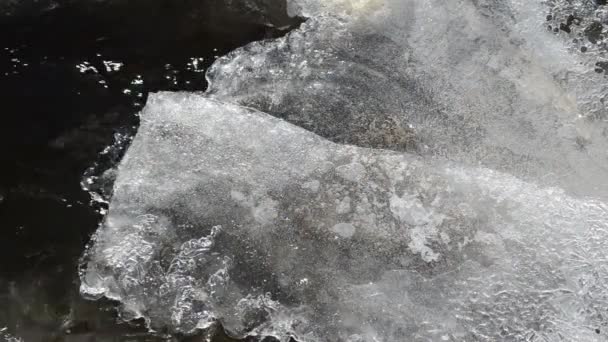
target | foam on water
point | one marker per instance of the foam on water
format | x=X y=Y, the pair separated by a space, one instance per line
x=468 y=203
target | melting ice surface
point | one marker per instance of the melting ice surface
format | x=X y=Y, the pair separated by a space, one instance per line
x=390 y=171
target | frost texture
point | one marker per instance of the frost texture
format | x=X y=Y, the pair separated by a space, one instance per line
x=483 y=216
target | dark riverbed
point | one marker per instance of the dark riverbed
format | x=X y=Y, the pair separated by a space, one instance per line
x=72 y=79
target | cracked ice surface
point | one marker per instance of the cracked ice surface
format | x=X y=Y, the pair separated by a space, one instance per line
x=225 y=213
x=481 y=218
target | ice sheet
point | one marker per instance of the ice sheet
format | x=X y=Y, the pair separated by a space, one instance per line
x=224 y=213
x=389 y=171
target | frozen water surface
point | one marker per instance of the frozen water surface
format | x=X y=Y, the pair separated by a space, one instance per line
x=390 y=171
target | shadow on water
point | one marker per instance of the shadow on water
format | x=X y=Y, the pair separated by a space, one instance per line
x=72 y=78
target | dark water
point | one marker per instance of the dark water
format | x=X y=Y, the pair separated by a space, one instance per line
x=71 y=81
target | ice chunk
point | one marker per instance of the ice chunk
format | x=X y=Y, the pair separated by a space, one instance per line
x=223 y=213
x=474 y=222
x=479 y=82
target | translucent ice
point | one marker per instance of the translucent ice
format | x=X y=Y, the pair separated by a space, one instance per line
x=225 y=213
x=474 y=81
x=389 y=171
